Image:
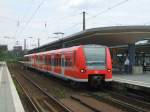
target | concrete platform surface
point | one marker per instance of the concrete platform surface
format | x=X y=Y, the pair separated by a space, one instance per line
x=135 y=79
x=9 y=98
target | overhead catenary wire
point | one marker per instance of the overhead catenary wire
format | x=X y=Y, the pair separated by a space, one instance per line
x=32 y=16
x=42 y=21
x=109 y=8
x=42 y=2
x=20 y=22
x=102 y=12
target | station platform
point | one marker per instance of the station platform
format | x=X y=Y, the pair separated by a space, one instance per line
x=136 y=81
x=9 y=98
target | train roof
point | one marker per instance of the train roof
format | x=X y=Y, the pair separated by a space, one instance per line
x=54 y=51
x=65 y=49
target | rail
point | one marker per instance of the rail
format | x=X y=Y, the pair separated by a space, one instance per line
x=54 y=100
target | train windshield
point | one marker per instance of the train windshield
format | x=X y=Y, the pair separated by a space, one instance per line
x=95 y=57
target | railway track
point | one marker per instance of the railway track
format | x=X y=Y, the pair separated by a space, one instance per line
x=75 y=101
x=76 y=105
x=31 y=105
x=41 y=101
x=134 y=99
x=140 y=95
x=128 y=103
x=109 y=100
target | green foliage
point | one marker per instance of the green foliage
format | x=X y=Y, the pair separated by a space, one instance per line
x=8 y=56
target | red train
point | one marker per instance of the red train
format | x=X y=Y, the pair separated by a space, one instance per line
x=84 y=63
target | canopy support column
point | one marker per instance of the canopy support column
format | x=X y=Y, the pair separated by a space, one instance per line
x=131 y=51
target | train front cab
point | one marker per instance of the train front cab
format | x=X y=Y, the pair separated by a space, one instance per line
x=95 y=65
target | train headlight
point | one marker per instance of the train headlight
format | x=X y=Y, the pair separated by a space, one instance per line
x=109 y=70
x=82 y=70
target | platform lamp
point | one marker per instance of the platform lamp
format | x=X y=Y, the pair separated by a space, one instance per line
x=62 y=40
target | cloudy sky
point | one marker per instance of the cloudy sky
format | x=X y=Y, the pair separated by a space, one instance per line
x=20 y=19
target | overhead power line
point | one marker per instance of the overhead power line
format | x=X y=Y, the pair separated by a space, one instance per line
x=32 y=16
x=102 y=12
x=109 y=8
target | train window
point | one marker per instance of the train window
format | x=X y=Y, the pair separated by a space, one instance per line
x=54 y=61
x=44 y=60
x=73 y=58
x=62 y=62
x=59 y=61
x=50 y=61
x=39 y=59
x=68 y=62
x=36 y=59
x=39 y=62
x=95 y=57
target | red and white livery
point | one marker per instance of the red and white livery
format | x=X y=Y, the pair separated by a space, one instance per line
x=84 y=63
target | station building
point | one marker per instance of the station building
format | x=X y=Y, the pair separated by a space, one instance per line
x=120 y=39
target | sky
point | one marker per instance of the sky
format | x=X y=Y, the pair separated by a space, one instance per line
x=21 y=19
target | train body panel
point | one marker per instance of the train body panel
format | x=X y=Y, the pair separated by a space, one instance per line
x=78 y=63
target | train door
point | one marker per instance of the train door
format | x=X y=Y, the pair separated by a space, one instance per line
x=62 y=64
x=52 y=63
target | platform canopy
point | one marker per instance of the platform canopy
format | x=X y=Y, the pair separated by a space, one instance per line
x=109 y=36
